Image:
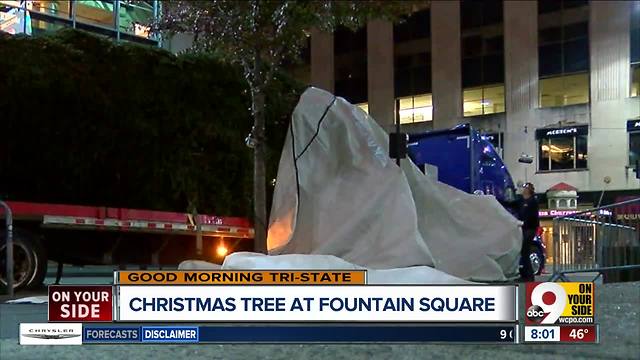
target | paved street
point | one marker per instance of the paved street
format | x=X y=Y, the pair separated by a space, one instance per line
x=617 y=310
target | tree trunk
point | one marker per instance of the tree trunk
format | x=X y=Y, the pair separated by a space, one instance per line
x=259 y=171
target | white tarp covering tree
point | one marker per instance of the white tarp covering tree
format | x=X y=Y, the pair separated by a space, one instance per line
x=340 y=202
x=338 y=193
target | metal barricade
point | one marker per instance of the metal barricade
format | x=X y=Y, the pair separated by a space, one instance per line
x=604 y=240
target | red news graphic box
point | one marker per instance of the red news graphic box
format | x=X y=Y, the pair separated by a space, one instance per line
x=80 y=303
x=577 y=333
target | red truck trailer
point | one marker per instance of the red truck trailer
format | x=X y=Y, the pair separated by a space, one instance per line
x=93 y=235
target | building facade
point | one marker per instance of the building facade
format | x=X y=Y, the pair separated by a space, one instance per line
x=121 y=20
x=558 y=80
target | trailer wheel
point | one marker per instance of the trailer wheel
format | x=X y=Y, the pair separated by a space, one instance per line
x=30 y=261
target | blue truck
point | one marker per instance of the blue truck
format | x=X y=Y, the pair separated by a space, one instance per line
x=467 y=161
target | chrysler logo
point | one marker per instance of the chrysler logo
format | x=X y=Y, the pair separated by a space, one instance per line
x=51 y=336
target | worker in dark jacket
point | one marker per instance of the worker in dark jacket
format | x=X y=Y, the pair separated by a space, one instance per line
x=528 y=214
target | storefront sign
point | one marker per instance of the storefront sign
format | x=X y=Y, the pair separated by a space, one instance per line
x=562 y=132
x=630 y=212
x=628 y=217
x=633 y=125
x=555 y=213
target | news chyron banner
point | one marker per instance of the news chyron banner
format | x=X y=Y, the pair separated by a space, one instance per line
x=302 y=296
x=283 y=306
x=560 y=312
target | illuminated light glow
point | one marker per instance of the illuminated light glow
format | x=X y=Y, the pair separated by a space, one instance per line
x=555 y=149
x=141 y=30
x=222 y=250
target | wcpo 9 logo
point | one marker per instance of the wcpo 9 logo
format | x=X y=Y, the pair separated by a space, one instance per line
x=547 y=303
x=559 y=303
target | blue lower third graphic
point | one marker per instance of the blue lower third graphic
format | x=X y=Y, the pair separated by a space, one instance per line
x=105 y=334
x=358 y=334
x=170 y=334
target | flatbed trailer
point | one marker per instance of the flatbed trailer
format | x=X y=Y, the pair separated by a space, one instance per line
x=95 y=235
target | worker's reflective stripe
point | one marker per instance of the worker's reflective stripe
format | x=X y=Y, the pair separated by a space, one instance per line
x=146 y=225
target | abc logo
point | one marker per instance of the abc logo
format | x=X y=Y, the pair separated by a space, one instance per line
x=535 y=313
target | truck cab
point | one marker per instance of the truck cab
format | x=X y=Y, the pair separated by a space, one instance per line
x=465 y=160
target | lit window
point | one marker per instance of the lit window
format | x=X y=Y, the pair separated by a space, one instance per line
x=564 y=90
x=472 y=100
x=57 y=8
x=12 y=19
x=13 y=3
x=562 y=149
x=416 y=109
x=49 y=15
x=484 y=100
x=135 y=17
x=95 y=12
